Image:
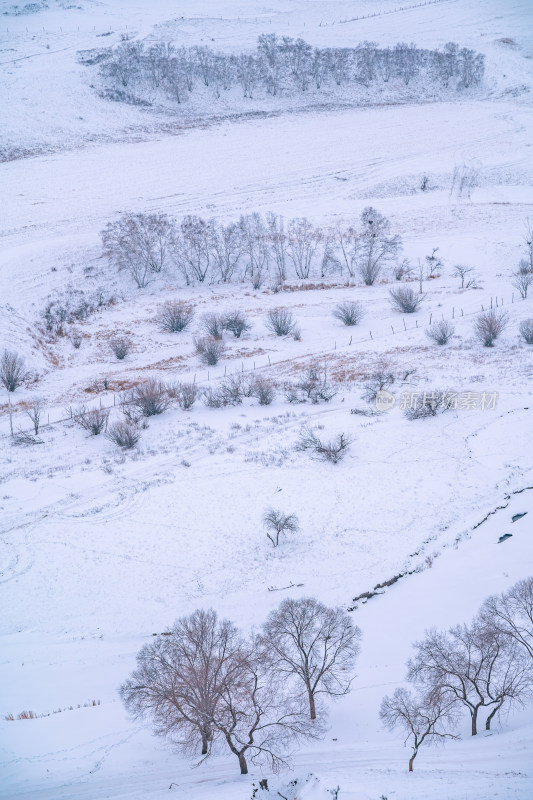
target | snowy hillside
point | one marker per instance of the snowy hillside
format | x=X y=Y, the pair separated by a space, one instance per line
x=103 y=547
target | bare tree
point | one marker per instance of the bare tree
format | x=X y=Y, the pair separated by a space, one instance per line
x=140 y=244
x=256 y=244
x=259 y=717
x=12 y=372
x=280 y=321
x=430 y=403
x=462 y=271
x=424 y=718
x=350 y=312
x=302 y=242
x=489 y=325
x=379 y=380
x=474 y=665
x=526 y=330
x=348 y=244
x=434 y=263
x=333 y=451
x=193 y=248
x=440 y=332
x=305 y=641
x=377 y=247
x=528 y=241
x=405 y=299
x=228 y=248
x=511 y=613
x=181 y=677
x=175 y=317
x=35 y=412
x=278 y=243
x=276 y=523
x=209 y=350
x=120 y=346
x=522 y=283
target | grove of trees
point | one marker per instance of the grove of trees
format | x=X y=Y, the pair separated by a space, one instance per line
x=482 y=667
x=206 y=687
x=280 y=65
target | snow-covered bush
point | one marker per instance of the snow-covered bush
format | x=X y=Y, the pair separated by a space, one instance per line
x=350 y=312
x=440 y=332
x=405 y=299
x=209 y=350
x=490 y=325
x=175 y=317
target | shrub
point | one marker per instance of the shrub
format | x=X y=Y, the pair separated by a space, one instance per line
x=236 y=323
x=12 y=372
x=316 y=387
x=405 y=299
x=526 y=330
x=94 y=420
x=232 y=390
x=429 y=404
x=213 y=325
x=441 y=332
x=276 y=523
x=264 y=391
x=124 y=434
x=209 y=350
x=377 y=381
x=351 y=312
x=333 y=451
x=212 y=398
x=174 y=317
x=186 y=395
x=76 y=339
x=489 y=325
x=280 y=321
x=522 y=282
x=120 y=347
x=150 y=398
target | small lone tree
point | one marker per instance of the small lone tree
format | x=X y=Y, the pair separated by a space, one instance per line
x=312 y=644
x=424 y=718
x=12 y=372
x=276 y=522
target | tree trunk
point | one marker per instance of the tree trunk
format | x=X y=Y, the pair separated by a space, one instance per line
x=474 y=722
x=312 y=708
x=242 y=764
x=204 y=743
x=491 y=715
x=411 y=761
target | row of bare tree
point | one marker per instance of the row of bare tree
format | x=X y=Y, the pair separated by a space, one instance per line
x=280 y=66
x=199 y=250
x=205 y=687
x=484 y=666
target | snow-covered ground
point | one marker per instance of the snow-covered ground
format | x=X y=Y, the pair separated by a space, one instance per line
x=100 y=549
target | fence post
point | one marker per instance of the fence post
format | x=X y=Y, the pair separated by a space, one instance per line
x=392 y=329
x=430 y=316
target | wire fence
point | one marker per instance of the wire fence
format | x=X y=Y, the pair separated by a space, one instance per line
x=108 y=400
